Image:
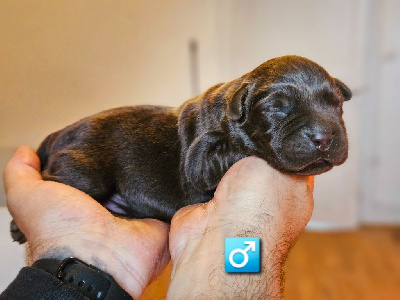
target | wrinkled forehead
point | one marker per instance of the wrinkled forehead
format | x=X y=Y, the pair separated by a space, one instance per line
x=308 y=84
x=307 y=78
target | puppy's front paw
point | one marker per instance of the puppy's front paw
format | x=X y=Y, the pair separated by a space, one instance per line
x=16 y=234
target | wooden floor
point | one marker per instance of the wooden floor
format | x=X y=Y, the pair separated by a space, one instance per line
x=359 y=265
x=356 y=265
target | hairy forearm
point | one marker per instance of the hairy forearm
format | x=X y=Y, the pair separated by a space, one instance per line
x=252 y=200
x=205 y=255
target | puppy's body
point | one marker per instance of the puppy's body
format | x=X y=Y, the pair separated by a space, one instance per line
x=126 y=158
x=149 y=161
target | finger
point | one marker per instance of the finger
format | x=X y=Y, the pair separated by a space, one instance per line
x=161 y=245
x=186 y=213
x=187 y=222
x=23 y=169
x=142 y=245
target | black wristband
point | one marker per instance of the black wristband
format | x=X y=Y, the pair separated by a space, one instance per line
x=87 y=279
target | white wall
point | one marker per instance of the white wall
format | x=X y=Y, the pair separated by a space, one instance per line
x=380 y=167
x=63 y=60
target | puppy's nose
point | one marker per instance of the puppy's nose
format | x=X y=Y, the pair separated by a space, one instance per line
x=322 y=140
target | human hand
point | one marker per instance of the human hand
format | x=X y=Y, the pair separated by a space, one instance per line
x=74 y=224
x=252 y=199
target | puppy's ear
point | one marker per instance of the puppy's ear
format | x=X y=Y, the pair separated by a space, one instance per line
x=346 y=92
x=235 y=108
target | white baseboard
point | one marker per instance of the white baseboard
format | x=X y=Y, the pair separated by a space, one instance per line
x=326 y=226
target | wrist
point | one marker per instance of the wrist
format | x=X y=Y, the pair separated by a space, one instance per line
x=97 y=248
x=84 y=278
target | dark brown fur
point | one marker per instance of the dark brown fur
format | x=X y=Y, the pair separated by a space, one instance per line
x=149 y=161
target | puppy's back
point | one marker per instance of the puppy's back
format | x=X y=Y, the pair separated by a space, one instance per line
x=130 y=151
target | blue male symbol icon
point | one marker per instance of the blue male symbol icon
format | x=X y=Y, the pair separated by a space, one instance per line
x=242 y=255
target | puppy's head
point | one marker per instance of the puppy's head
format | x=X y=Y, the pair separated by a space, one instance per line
x=288 y=111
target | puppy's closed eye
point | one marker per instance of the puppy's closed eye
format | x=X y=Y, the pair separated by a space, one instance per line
x=277 y=104
x=280 y=104
x=330 y=100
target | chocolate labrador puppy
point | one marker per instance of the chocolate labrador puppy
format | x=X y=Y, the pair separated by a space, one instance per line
x=149 y=161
